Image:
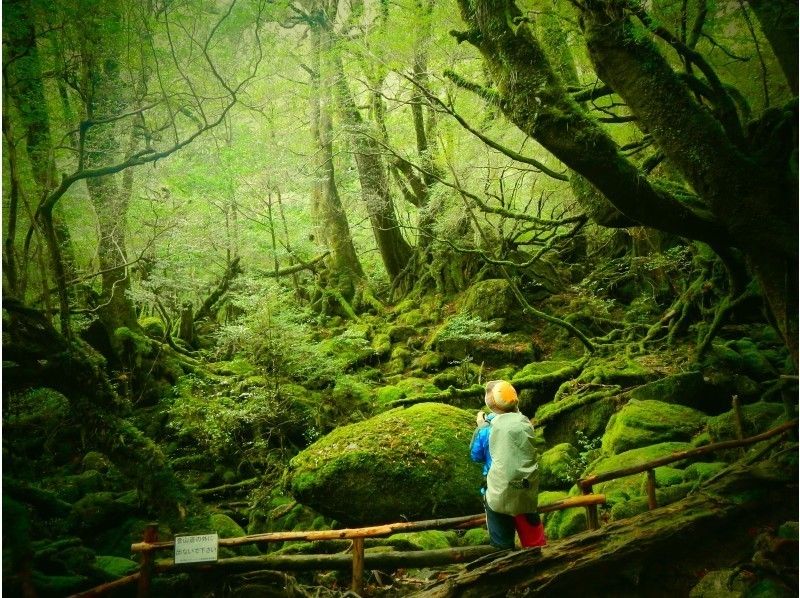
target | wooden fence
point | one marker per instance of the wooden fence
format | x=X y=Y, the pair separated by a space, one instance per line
x=356 y=561
x=588 y=500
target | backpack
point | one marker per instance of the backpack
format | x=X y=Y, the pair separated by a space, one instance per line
x=513 y=480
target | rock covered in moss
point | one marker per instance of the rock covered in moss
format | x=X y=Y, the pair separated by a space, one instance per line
x=557 y=467
x=490 y=299
x=405 y=463
x=700 y=471
x=228 y=528
x=642 y=423
x=425 y=540
x=691 y=389
x=476 y=536
x=113 y=567
x=720 y=583
x=756 y=418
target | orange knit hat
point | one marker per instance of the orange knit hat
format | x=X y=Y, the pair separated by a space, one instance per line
x=501 y=395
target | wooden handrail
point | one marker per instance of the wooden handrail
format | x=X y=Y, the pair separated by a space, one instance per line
x=589 y=481
x=375 y=531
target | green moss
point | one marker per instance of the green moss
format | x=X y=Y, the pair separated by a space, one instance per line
x=687 y=388
x=789 y=531
x=638 y=505
x=411 y=463
x=637 y=456
x=37 y=406
x=413 y=318
x=490 y=299
x=94 y=461
x=643 y=423
x=754 y=362
x=557 y=467
x=756 y=418
x=477 y=536
x=346 y=352
x=573 y=521
x=153 y=327
x=665 y=477
x=700 y=472
x=722 y=583
x=74 y=487
x=96 y=511
x=382 y=345
x=113 y=567
x=400 y=333
x=551 y=520
x=623 y=372
x=430 y=361
x=228 y=528
x=425 y=540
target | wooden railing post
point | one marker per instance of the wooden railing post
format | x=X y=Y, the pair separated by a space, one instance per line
x=358 y=565
x=652 y=503
x=591 y=510
x=148 y=559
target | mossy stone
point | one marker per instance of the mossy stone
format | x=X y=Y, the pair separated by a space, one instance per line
x=382 y=345
x=551 y=520
x=94 y=461
x=691 y=389
x=114 y=567
x=405 y=463
x=665 y=477
x=754 y=362
x=153 y=327
x=424 y=540
x=573 y=521
x=430 y=361
x=228 y=528
x=74 y=487
x=477 y=536
x=95 y=512
x=636 y=456
x=700 y=472
x=389 y=394
x=643 y=423
x=721 y=583
x=588 y=413
x=347 y=351
x=490 y=299
x=413 y=318
x=756 y=418
x=557 y=467
x=400 y=333
x=58 y=585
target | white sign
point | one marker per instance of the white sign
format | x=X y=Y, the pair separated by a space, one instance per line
x=196 y=549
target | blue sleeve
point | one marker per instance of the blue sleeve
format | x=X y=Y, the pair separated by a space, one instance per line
x=479 y=449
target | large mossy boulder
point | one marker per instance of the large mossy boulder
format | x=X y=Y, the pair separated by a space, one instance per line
x=691 y=389
x=643 y=423
x=402 y=464
x=756 y=418
x=490 y=299
x=557 y=467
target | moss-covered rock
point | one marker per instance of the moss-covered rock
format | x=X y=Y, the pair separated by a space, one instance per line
x=74 y=487
x=430 y=361
x=490 y=299
x=58 y=585
x=551 y=520
x=643 y=423
x=476 y=536
x=228 y=528
x=424 y=540
x=637 y=456
x=756 y=418
x=691 y=389
x=405 y=463
x=754 y=363
x=721 y=583
x=113 y=567
x=587 y=412
x=539 y=380
x=639 y=504
x=700 y=472
x=665 y=477
x=382 y=345
x=406 y=387
x=96 y=511
x=347 y=351
x=94 y=461
x=400 y=333
x=557 y=467
x=153 y=327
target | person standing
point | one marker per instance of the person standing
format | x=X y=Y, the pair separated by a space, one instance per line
x=504 y=443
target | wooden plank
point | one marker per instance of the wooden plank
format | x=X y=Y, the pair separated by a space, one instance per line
x=652 y=503
x=357 y=584
x=146 y=565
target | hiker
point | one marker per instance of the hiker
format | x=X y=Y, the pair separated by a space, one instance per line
x=504 y=443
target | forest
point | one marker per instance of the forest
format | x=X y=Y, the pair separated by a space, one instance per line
x=261 y=257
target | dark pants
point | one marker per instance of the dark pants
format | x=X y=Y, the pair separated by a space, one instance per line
x=501 y=528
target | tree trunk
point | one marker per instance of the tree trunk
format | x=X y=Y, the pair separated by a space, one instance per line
x=372 y=173
x=778 y=19
x=332 y=228
x=109 y=195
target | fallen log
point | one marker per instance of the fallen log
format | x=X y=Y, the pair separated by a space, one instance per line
x=625 y=556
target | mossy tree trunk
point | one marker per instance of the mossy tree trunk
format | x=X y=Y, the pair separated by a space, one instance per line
x=333 y=230
x=109 y=194
x=745 y=193
x=372 y=173
x=23 y=75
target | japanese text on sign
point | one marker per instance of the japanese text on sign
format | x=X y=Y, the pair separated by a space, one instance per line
x=196 y=549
